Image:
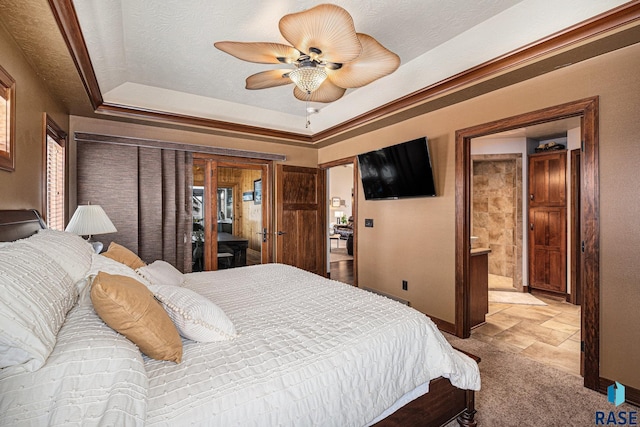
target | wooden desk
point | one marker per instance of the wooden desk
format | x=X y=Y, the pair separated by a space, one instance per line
x=238 y=246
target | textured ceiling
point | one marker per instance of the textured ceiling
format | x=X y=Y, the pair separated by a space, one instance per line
x=33 y=27
x=162 y=58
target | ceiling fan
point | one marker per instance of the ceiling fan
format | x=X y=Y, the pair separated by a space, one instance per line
x=327 y=55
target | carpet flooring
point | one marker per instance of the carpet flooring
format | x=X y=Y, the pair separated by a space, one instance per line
x=514 y=298
x=518 y=391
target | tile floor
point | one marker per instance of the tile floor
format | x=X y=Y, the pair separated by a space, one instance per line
x=549 y=334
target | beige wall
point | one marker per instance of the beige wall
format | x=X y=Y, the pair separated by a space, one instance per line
x=414 y=239
x=21 y=189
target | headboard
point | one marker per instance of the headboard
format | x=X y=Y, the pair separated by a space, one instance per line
x=18 y=224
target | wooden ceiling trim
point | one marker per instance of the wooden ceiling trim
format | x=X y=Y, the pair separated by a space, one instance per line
x=609 y=21
x=67 y=20
x=135 y=112
x=155 y=143
x=65 y=15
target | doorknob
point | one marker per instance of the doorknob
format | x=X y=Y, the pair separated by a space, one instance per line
x=264 y=234
x=531 y=226
x=280 y=233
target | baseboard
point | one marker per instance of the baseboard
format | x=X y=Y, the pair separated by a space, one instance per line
x=393 y=297
x=632 y=394
x=443 y=325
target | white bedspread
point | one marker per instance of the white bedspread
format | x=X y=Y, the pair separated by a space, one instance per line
x=309 y=352
x=94 y=376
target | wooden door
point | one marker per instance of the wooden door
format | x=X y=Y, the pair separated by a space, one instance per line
x=300 y=217
x=548 y=252
x=548 y=221
x=241 y=175
x=547 y=179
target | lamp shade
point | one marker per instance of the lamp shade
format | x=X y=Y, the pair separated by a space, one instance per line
x=338 y=214
x=89 y=220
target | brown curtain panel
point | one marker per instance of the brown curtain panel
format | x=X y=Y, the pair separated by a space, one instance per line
x=147 y=194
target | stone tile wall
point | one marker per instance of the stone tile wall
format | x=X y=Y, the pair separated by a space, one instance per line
x=497 y=212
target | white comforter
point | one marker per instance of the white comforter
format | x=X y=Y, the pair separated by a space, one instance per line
x=309 y=352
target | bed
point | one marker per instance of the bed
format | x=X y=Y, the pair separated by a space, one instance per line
x=304 y=350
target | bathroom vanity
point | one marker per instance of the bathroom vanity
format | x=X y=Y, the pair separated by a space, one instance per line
x=479 y=285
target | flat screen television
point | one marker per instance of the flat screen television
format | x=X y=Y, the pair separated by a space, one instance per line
x=398 y=171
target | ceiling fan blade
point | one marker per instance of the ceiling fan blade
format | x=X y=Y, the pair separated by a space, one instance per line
x=262 y=53
x=267 y=79
x=376 y=61
x=326 y=27
x=327 y=92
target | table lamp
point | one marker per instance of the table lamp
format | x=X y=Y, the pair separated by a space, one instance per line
x=89 y=220
x=338 y=215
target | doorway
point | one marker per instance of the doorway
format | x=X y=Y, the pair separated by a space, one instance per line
x=231 y=212
x=342 y=220
x=587 y=111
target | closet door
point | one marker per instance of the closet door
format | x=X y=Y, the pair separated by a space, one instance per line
x=548 y=179
x=548 y=252
x=548 y=221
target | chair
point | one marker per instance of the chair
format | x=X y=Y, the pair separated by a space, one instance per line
x=226 y=257
x=225 y=260
x=197 y=261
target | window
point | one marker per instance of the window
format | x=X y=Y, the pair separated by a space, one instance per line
x=7 y=120
x=55 y=171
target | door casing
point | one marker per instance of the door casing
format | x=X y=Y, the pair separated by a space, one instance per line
x=349 y=161
x=587 y=109
x=212 y=163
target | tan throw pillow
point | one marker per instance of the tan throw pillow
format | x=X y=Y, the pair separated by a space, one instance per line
x=121 y=254
x=127 y=306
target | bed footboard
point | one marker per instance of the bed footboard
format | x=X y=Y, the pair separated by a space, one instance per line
x=442 y=404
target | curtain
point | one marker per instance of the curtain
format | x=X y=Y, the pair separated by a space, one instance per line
x=146 y=192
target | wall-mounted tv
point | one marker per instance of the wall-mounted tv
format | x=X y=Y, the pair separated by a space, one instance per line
x=398 y=171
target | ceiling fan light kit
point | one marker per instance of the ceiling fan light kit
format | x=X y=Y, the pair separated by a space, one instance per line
x=308 y=78
x=327 y=54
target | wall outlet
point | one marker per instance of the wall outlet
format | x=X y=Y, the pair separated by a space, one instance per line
x=368 y=222
x=405 y=285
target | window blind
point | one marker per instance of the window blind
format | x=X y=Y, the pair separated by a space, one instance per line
x=55 y=184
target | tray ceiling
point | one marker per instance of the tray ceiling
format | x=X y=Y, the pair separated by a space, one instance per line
x=162 y=58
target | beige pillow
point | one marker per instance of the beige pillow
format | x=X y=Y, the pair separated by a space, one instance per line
x=127 y=306
x=121 y=254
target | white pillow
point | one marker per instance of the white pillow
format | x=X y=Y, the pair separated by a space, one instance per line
x=161 y=273
x=71 y=251
x=110 y=266
x=196 y=317
x=36 y=295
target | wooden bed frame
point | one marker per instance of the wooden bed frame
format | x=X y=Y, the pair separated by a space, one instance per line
x=442 y=404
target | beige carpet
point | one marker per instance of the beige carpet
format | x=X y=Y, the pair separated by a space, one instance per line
x=518 y=391
x=507 y=297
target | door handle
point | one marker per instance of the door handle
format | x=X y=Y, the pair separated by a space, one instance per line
x=264 y=234
x=531 y=226
x=531 y=197
x=280 y=233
